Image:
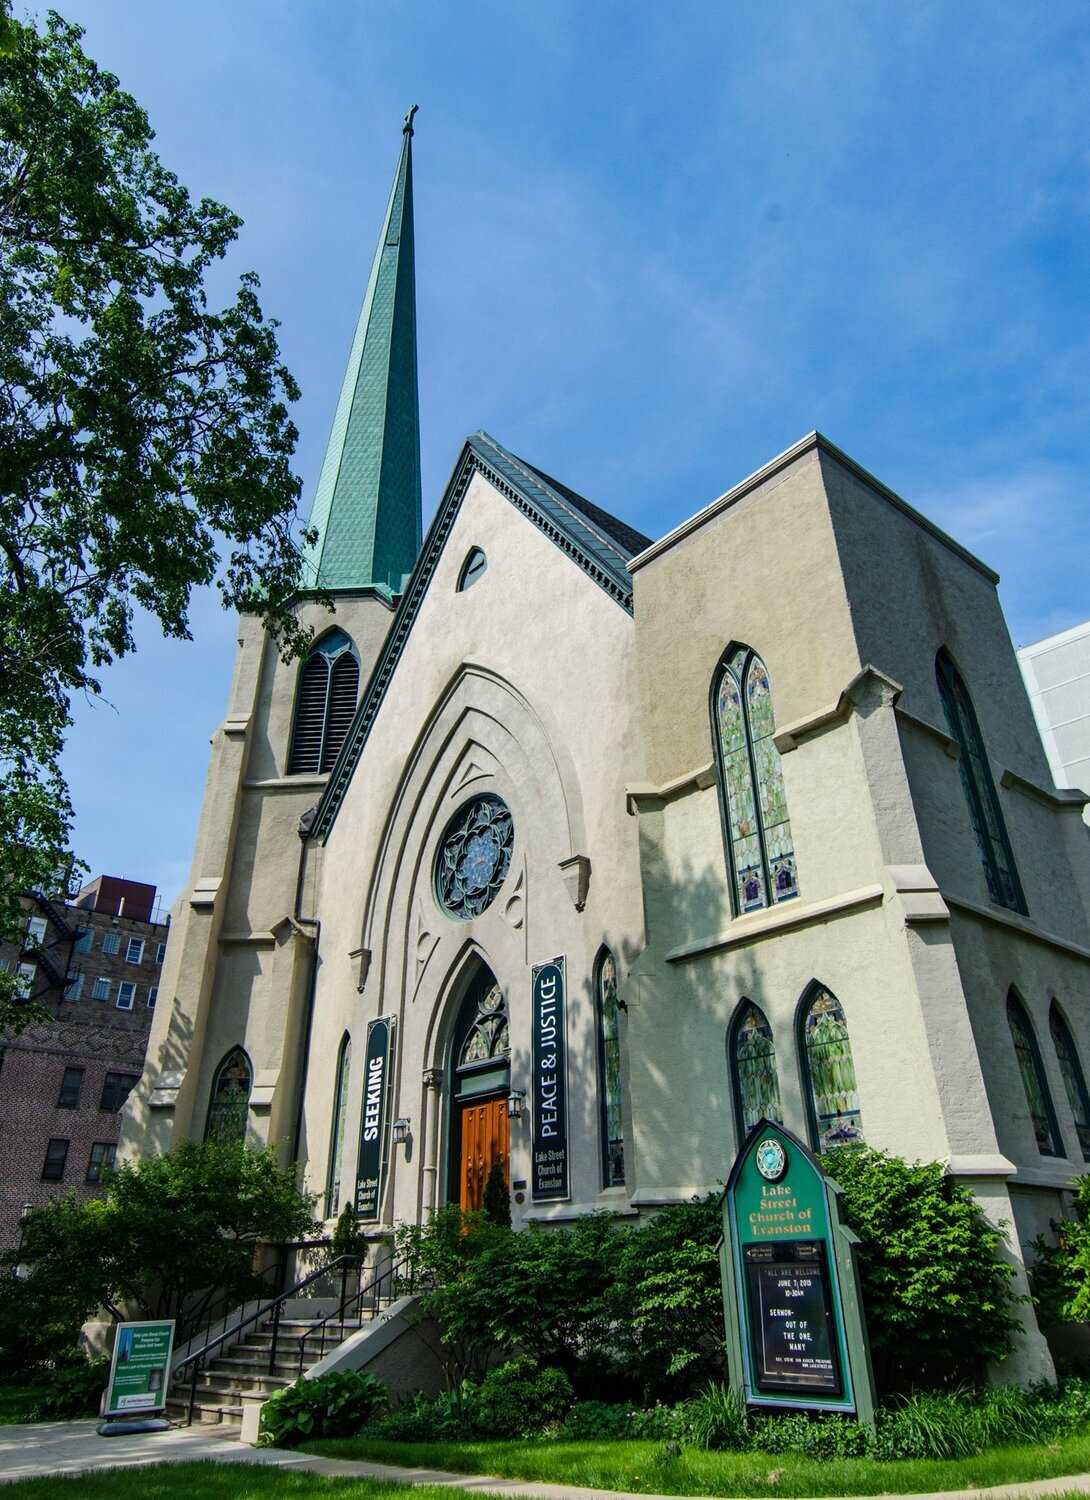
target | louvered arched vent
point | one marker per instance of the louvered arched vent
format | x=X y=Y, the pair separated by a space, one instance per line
x=328 y=686
x=344 y=682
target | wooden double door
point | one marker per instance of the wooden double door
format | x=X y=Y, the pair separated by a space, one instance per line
x=484 y=1133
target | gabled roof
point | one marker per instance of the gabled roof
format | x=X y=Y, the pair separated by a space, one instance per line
x=594 y=540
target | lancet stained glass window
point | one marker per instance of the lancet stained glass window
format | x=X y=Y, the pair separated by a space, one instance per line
x=229 y=1103
x=474 y=856
x=336 y=1150
x=830 y=1072
x=985 y=813
x=754 y=1076
x=1074 y=1081
x=759 y=842
x=609 y=1065
x=1041 y=1113
x=325 y=703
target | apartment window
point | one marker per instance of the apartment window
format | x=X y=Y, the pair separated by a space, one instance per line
x=153 y=995
x=126 y=995
x=160 y=952
x=134 y=952
x=36 y=930
x=101 y=989
x=116 y=1090
x=103 y=1156
x=56 y=1154
x=74 y=989
x=71 y=1084
x=111 y=942
x=85 y=941
x=26 y=980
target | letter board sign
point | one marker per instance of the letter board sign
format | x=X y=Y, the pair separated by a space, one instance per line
x=376 y=1089
x=549 y=1091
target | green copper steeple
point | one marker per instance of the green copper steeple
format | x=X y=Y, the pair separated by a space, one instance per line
x=367 y=507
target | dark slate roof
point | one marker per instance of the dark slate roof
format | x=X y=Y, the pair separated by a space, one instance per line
x=595 y=541
x=628 y=538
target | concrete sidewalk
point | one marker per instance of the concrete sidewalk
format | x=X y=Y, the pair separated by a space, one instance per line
x=44 y=1449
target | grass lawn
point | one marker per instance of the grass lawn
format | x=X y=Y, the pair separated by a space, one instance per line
x=215 y=1481
x=642 y=1466
x=16 y=1402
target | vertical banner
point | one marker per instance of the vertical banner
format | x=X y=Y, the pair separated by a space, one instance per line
x=139 y=1369
x=549 y=1174
x=376 y=1090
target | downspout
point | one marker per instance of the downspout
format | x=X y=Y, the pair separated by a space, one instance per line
x=306 y=822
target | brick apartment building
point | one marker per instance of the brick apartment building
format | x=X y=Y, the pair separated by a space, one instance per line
x=93 y=962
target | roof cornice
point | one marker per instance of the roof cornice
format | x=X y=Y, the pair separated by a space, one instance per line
x=585 y=543
x=812 y=442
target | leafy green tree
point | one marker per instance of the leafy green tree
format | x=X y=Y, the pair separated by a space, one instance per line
x=145 y=439
x=167 y=1235
x=937 y=1300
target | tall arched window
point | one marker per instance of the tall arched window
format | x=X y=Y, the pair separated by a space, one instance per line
x=229 y=1102
x=336 y=1143
x=329 y=684
x=1041 y=1113
x=1074 y=1082
x=826 y=1052
x=757 y=829
x=609 y=1069
x=985 y=814
x=754 y=1079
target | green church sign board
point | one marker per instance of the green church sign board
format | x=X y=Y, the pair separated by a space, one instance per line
x=795 y=1332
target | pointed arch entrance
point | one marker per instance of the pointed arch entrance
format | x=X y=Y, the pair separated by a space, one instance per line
x=480 y=1082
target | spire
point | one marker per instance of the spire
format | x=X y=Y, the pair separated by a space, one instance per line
x=367 y=506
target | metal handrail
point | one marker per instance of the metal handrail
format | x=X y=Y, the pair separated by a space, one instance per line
x=346 y=1310
x=198 y=1357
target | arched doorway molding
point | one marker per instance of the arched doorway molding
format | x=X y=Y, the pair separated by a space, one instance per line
x=479 y=711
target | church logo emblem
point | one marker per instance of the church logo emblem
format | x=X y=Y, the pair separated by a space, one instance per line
x=771 y=1159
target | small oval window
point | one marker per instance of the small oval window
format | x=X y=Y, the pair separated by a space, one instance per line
x=472 y=568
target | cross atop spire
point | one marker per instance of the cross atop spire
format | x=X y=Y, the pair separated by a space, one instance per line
x=367 y=509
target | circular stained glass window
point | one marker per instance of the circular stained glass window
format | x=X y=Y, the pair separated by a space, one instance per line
x=474 y=856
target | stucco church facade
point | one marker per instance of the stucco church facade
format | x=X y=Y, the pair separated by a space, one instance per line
x=569 y=854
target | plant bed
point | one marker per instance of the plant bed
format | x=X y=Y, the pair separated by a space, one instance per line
x=18 y=1401
x=650 y=1467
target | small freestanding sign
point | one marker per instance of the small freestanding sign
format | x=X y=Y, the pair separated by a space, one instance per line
x=139 y=1377
x=794 y=1322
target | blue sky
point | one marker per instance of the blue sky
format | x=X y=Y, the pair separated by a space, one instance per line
x=655 y=245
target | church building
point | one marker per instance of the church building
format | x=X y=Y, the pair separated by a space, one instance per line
x=568 y=854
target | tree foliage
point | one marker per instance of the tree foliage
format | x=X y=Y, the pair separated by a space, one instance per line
x=1060 y=1277
x=145 y=438
x=167 y=1234
x=937 y=1300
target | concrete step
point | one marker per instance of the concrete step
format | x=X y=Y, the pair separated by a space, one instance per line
x=230 y=1381
x=230 y=1365
x=206 y=1413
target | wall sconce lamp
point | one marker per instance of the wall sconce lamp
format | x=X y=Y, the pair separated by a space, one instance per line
x=515 y=1100
x=399 y=1132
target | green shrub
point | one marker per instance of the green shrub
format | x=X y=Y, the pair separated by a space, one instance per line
x=819 y=1436
x=496 y=1202
x=1060 y=1276
x=600 y=1419
x=937 y=1301
x=519 y=1398
x=716 y=1419
x=74 y=1389
x=336 y=1405
x=448 y=1417
x=637 y=1310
